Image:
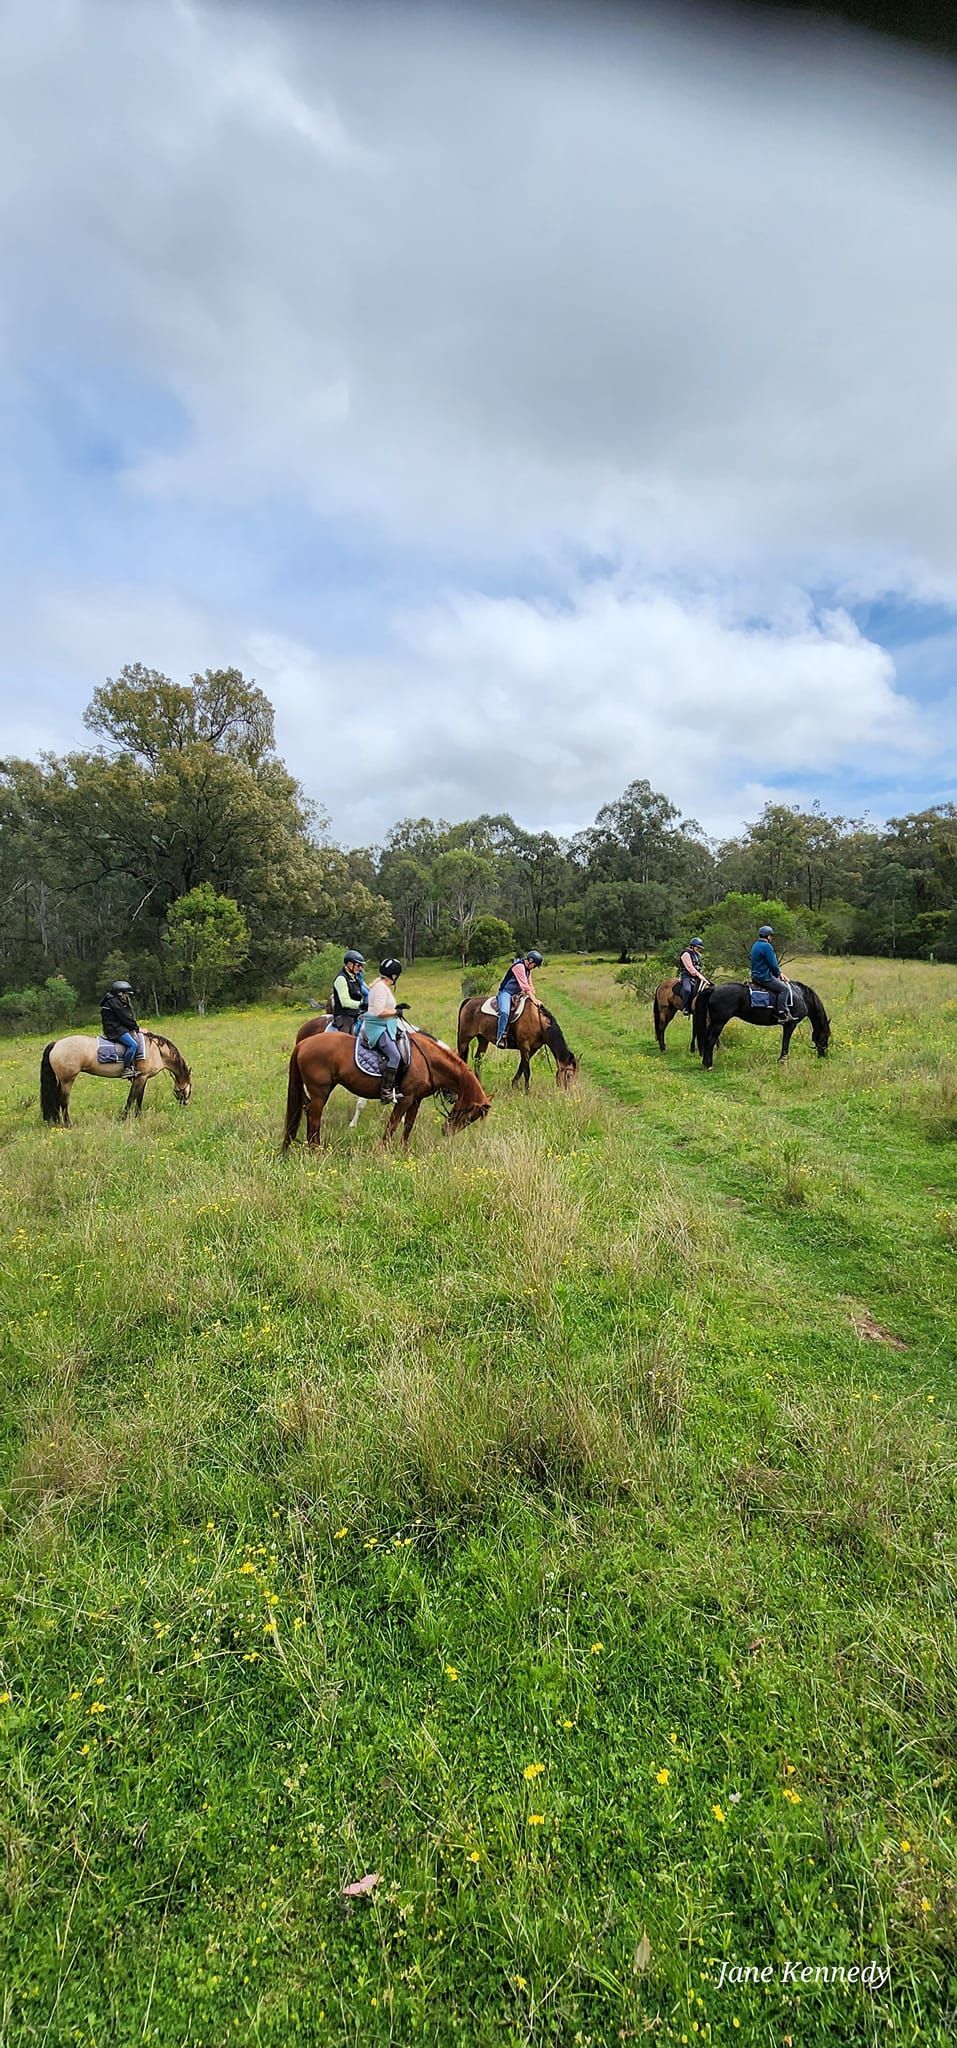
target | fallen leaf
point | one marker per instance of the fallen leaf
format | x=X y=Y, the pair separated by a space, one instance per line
x=362 y=1885
x=643 y=1952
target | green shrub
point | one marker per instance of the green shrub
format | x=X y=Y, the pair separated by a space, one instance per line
x=39 y=1009
x=490 y=937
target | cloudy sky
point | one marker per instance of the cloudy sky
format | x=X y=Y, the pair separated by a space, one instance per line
x=529 y=398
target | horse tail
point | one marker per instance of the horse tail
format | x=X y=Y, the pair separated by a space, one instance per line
x=659 y=1021
x=295 y=1097
x=50 y=1102
x=464 y=1038
x=701 y=1022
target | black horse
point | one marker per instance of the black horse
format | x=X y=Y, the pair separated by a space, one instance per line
x=727 y=999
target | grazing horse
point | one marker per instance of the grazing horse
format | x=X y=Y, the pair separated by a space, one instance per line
x=322 y=1060
x=668 y=1005
x=533 y=1029
x=729 y=999
x=65 y=1058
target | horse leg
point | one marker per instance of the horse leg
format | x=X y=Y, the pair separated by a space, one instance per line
x=315 y=1104
x=522 y=1072
x=134 y=1100
x=786 y=1037
x=410 y=1116
x=392 y=1125
x=357 y=1112
x=477 y=1062
x=65 y=1087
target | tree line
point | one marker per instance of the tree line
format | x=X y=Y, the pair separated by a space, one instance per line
x=178 y=850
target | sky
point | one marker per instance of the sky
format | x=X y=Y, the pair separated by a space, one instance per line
x=529 y=398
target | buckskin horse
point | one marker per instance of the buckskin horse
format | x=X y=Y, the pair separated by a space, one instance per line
x=64 y=1058
x=322 y=1060
x=532 y=1029
x=667 y=1005
x=727 y=999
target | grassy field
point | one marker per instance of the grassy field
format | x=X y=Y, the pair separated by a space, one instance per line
x=558 y=1522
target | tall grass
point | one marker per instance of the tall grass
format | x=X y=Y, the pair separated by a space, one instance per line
x=343 y=1491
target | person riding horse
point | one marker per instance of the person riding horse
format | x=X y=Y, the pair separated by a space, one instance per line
x=690 y=975
x=382 y=1024
x=517 y=982
x=120 y=1025
x=766 y=971
x=350 y=995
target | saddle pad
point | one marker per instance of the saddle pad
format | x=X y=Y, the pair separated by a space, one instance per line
x=490 y=1008
x=109 y=1054
x=761 y=998
x=367 y=1061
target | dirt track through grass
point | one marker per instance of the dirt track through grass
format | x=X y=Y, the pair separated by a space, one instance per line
x=342 y=1494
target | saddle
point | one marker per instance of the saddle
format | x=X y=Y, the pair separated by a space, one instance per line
x=490 y=1007
x=109 y=1054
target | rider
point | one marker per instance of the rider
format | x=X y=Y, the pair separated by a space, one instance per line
x=766 y=971
x=517 y=982
x=691 y=975
x=380 y=1026
x=120 y=1025
x=350 y=996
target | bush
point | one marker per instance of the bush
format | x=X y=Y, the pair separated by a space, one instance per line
x=490 y=936
x=644 y=976
x=39 y=1009
x=311 y=981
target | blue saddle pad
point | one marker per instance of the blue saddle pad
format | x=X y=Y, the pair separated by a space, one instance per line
x=762 y=998
x=110 y=1054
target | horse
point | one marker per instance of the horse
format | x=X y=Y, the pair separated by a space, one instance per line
x=527 y=1034
x=727 y=999
x=64 y=1058
x=668 y=1004
x=322 y=1060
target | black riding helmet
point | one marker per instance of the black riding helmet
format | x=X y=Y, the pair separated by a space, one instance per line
x=121 y=988
x=537 y=959
x=391 y=968
x=352 y=959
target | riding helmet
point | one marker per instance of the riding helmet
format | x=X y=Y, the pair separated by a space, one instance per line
x=766 y=931
x=392 y=968
x=354 y=960
x=121 y=988
x=697 y=942
x=536 y=957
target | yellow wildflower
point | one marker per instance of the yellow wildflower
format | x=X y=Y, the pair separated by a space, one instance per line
x=5 y=1698
x=672 y=1737
x=532 y=1771
x=790 y=1794
x=96 y=1707
x=906 y=1848
x=340 y=1533
x=245 y=1569
x=568 y=1724
x=520 y=1983
x=596 y=1649
x=536 y=1820
x=475 y=1856
x=719 y=1813
x=661 y=1777
x=451 y=1672
x=925 y=1906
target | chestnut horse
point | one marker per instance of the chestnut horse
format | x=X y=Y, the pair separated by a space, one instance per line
x=526 y=1035
x=322 y=1060
x=668 y=1005
x=65 y=1058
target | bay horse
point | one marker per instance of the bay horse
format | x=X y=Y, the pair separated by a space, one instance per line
x=533 y=1029
x=64 y=1058
x=322 y=1060
x=727 y=999
x=667 y=1004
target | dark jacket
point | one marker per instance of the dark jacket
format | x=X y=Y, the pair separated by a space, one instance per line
x=508 y=982
x=117 y=1016
x=764 y=960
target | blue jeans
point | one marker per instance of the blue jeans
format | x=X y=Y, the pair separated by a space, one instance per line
x=131 y=1043
x=504 y=1013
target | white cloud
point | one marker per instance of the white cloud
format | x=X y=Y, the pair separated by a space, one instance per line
x=545 y=711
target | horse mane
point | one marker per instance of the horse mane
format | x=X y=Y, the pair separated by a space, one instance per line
x=820 y=1021
x=179 y=1064
x=555 y=1039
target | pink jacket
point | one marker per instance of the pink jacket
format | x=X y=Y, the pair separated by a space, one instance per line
x=523 y=977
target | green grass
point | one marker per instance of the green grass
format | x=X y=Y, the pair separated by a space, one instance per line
x=340 y=1490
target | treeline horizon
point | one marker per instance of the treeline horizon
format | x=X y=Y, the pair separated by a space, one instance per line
x=179 y=851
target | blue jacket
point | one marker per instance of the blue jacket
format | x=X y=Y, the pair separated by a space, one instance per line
x=764 y=960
